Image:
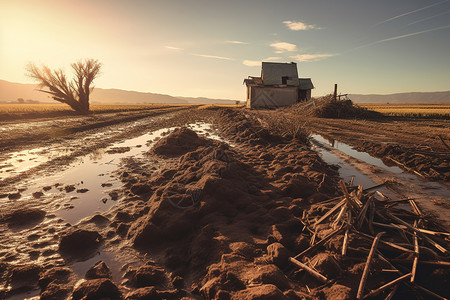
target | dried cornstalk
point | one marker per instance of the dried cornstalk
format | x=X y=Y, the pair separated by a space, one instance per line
x=311 y=271
x=386 y=286
x=329 y=213
x=415 y=207
x=362 y=283
x=416 y=258
x=435 y=244
x=362 y=214
x=392 y=293
x=339 y=217
x=371 y=215
x=318 y=244
x=429 y=292
x=392 y=245
x=345 y=243
x=353 y=206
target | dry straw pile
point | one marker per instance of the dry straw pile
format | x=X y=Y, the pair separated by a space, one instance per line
x=328 y=107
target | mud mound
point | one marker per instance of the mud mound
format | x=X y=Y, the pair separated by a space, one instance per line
x=232 y=213
x=433 y=165
x=328 y=107
x=79 y=243
x=180 y=141
x=244 y=129
x=24 y=217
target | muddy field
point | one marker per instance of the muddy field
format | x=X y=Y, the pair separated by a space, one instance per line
x=222 y=204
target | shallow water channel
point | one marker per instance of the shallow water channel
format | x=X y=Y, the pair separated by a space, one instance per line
x=88 y=184
x=370 y=171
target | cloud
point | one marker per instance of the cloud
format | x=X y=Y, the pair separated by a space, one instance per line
x=283 y=47
x=311 y=57
x=212 y=56
x=410 y=12
x=296 y=26
x=400 y=37
x=173 y=48
x=272 y=58
x=429 y=18
x=251 y=63
x=257 y=63
x=236 y=42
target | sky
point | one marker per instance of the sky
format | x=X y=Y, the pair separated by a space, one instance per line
x=205 y=48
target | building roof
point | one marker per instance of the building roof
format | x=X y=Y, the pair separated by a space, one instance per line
x=305 y=84
x=253 y=80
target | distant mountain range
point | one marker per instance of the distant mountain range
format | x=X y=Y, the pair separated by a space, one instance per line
x=10 y=92
x=417 y=97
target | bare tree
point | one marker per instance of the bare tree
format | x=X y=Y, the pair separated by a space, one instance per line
x=76 y=92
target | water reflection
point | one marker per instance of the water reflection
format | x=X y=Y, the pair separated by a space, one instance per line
x=347 y=149
x=88 y=184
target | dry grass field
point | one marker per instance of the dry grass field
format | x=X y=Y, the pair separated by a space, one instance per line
x=32 y=111
x=43 y=108
x=419 y=110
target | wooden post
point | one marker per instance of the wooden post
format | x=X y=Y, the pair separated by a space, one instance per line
x=335 y=92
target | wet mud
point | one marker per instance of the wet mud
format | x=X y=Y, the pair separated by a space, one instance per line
x=197 y=212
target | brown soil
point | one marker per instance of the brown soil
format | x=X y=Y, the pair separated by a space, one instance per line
x=200 y=220
x=414 y=143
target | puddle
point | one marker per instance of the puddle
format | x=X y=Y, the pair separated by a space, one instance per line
x=347 y=172
x=88 y=185
x=347 y=149
x=409 y=186
x=115 y=266
x=24 y=160
x=207 y=130
x=31 y=295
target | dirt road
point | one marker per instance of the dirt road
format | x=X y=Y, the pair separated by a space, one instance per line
x=412 y=144
x=142 y=209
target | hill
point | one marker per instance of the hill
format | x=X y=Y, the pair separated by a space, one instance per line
x=11 y=91
x=415 y=97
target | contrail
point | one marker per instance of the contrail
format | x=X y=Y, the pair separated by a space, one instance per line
x=411 y=12
x=399 y=37
x=432 y=17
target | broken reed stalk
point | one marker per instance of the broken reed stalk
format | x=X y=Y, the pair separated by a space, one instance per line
x=442 y=264
x=415 y=207
x=416 y=258
x=318 y=244
x=392 y=245
x=351 y=181
x=374 y=187
x=392 y=293
x=398 y=226
x=311 y=271
x=362 y=283
x=345 y=243
x=407 y=168
x=339 y=217
x=387 y=286
x=414 y=285
x=350 y=203
x=429 y=240
x=329 y=213
x=362 y=214
x=429 y=292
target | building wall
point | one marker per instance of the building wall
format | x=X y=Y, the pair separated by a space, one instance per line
x=304 y=95
x=273 y=72
x=271 y=97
